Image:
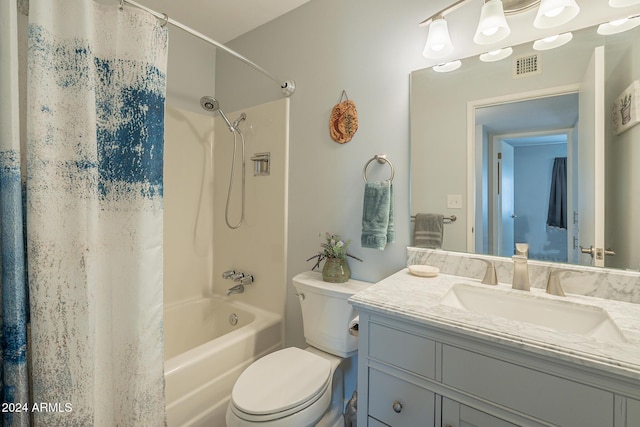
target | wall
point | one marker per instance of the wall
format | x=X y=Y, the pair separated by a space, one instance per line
x=188 y=205
x=190 y=70
x=198 y=244
x=259 y=245
x=368 y=49
x=622 y=159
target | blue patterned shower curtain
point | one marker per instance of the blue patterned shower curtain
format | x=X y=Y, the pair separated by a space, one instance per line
x=14 y=380
x=96 y=84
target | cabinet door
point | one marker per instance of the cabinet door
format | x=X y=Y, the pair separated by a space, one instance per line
x=399 y=403
x=455 y=414
x=633 y=413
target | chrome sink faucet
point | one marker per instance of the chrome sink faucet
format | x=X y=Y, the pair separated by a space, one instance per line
x=490 y=276
x=520 y=273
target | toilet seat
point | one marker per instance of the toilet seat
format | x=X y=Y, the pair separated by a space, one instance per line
x=280 y=384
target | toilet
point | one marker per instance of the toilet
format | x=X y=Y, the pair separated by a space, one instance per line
x=293 y=387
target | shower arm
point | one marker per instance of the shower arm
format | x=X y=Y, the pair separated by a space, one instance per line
x=288 y=87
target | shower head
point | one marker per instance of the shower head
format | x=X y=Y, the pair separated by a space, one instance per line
x=209 y=103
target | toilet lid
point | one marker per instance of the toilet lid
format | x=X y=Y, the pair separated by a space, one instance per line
x=280 y=381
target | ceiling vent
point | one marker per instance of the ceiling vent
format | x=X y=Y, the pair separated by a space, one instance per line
x=527 y=65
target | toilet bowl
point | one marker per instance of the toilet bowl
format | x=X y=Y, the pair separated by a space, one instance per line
x=289 y=388
x=293 y=387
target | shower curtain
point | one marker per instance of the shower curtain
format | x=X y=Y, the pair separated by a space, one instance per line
x=96 y=84
x=14 y=381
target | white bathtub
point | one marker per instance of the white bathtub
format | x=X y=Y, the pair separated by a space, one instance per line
x=205 y=354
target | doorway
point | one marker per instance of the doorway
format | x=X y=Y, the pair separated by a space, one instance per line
x=525 y=167
x=516 y=144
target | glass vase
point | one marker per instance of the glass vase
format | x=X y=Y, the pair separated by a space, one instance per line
x=336 y=270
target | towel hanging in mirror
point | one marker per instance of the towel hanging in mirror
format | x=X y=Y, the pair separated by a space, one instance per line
x=343 y=122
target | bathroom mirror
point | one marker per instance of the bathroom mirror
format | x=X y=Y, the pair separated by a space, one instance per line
x=459 y=121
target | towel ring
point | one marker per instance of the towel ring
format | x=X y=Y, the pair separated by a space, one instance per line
x=381 y=158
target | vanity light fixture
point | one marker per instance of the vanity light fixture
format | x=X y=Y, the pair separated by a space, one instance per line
x=496 y=55
x=553 y=13
x=623 y=3
x=447 y=67
x=438 y=41
x=492 y=26
x=553 y=41
x=619 y=25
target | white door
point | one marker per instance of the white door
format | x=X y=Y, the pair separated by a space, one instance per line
x=591 y=160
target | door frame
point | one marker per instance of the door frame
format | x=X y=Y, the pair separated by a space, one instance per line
x=471 y=143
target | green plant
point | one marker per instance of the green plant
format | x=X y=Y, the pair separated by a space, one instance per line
x=333 y=247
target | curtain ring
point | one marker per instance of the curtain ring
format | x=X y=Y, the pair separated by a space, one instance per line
x=121 y=7
x=165 y=20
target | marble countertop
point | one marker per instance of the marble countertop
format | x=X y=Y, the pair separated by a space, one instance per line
x=417 y=299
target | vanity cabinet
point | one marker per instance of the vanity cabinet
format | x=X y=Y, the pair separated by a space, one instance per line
x=410 y=374
x=630 y=413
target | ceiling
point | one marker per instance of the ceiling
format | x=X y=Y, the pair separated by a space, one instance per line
x=223 y=20
x=531 y=116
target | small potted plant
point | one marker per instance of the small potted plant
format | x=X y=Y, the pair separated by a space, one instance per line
x=334 y=253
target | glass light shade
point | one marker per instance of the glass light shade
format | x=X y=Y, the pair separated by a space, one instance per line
x=438 y=40
x=618 y=26
x=623 y=3
x=449 y=66
x=492 y=26
x=496 y=55
x=553 y=13
x=552 y=42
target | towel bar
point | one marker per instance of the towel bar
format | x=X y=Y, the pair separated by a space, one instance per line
x=447 y=219
x=381 y=158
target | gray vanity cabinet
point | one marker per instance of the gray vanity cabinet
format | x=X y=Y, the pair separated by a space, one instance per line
x=629 y=413
x=411 y=375
x=455 y=414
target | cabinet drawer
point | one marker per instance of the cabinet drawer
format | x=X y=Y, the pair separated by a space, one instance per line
x=399 y=403
x=405 y=350
x=372 y=422
x=544 y=396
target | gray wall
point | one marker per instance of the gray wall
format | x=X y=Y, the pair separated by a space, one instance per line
x=367 y=48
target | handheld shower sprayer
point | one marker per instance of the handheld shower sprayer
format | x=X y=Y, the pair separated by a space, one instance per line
x=209 y=103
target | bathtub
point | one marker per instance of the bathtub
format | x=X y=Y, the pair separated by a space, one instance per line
x=208 y=343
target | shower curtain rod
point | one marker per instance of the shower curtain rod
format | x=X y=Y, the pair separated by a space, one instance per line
x=287 y=86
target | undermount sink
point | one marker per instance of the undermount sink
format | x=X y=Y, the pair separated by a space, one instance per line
x=562 y=316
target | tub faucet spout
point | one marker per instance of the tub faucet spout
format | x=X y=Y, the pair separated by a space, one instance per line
x=237 y=289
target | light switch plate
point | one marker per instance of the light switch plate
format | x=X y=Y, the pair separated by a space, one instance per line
x=454 y=201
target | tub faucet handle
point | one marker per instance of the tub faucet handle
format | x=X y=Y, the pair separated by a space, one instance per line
x=228 y=274
x=237 y=276
x=247 y=280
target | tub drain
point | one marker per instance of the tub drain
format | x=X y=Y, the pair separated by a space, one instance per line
x=233 y=319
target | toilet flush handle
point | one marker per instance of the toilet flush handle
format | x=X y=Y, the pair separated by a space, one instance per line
x=300 y=296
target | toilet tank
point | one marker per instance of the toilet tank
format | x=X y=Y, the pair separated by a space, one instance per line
x=326 y=313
